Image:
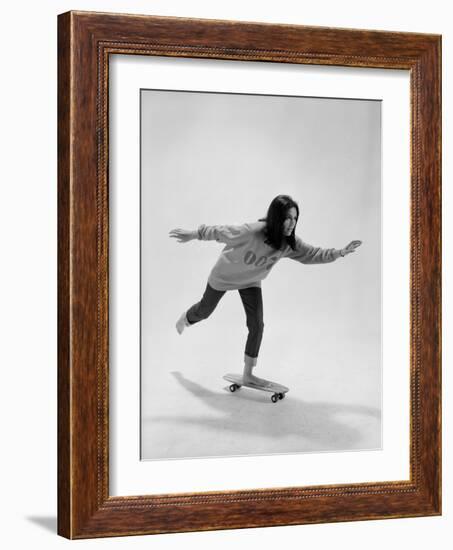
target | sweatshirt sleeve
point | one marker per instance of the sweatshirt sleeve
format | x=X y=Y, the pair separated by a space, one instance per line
x=308 y=254
x=228 y=234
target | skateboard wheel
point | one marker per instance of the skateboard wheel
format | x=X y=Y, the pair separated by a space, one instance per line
x=281 y=395
x=234 y=387
x=274 y=398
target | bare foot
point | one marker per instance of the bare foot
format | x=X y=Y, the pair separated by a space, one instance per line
x=251 y=379
x=181 y=323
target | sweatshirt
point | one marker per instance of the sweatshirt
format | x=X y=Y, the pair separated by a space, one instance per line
x=246 y=259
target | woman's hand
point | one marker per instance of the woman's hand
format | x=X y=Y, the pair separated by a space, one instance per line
x=350 y=248
x=183 y=235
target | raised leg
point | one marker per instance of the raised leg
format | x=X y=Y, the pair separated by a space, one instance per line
x=201 y=310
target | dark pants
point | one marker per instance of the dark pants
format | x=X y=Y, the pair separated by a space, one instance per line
x=252 y=301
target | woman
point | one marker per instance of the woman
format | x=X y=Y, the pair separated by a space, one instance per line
x=250 y=253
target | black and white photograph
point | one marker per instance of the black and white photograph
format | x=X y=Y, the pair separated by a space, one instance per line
x=260 y=279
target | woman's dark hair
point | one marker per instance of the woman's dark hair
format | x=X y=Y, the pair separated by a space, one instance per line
x=276 y=215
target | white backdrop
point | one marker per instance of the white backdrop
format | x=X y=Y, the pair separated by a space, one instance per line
x=28 y=289
x=326 y=153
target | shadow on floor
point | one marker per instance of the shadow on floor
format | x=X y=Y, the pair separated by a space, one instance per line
x=323 y=426
x=49 y=523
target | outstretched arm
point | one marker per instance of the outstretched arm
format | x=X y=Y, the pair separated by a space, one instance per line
x=350 y=248
x=183 y=235
x=308 y=254
x=228 y=234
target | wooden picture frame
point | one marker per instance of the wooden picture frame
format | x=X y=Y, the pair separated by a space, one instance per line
x=85 y=42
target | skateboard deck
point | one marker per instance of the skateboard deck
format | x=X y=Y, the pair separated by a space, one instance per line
x=278 y=390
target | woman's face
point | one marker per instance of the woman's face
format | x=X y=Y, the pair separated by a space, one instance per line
x=290 y=221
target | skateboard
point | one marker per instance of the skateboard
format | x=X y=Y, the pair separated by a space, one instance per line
x=278 y=391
